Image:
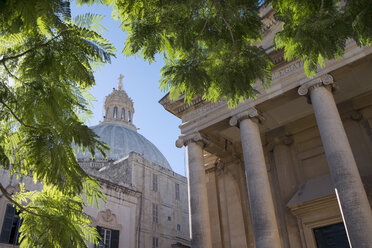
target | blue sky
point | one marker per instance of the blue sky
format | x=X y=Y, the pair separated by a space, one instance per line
x=141 y=84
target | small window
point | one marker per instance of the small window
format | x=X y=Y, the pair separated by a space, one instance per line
x=155 y=242
x=154 y=182
x=331 y=236
x=107 y=112
x=123 y=114
x=129 y=116
x=178 y=227
x=155 y=213
x=11 y=225
x=109 y=238
x=115 y=114
x=177 y=190
x=169 y=218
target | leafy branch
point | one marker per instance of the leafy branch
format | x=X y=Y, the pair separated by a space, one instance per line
x=21 y=208
x=15 y=116
x=4 y=59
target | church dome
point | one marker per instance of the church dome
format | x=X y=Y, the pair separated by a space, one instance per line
x=120 y=134
x=123 y=141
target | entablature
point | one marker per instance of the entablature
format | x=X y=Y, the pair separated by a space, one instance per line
x=286 y=77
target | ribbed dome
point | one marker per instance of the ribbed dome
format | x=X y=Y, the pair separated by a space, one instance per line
x=122 y=141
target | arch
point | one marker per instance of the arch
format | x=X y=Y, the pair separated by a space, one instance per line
x=107 y=112
x=122 y=114
x=115 y=113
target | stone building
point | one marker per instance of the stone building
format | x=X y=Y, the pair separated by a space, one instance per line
x=147 y=202
x=291 y=168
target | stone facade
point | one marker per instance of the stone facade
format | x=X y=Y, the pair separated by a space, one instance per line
x=147 y=202
x=130 y=202
x=284 y=169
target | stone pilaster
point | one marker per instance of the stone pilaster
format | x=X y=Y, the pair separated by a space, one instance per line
x=198 y=200
x=348 y=185
x=265 y=226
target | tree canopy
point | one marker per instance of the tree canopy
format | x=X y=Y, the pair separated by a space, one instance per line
x=210 y=48
x=47 y=60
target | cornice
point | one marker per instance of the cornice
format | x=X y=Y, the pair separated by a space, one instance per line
x=268 y=21
x=289 y=81
x=285 y=77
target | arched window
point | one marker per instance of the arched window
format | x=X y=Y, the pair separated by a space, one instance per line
x=107 y=113
x=123 y=114
x=129 y=116
x=115 y=114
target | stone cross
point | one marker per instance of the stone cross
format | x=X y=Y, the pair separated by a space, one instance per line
x=120 y=85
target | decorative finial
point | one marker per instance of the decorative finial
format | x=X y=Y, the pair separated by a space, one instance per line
x=120 y=84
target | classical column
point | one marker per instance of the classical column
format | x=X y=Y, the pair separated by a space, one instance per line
x=265 y=227
x=348 y=185
x=198 y=201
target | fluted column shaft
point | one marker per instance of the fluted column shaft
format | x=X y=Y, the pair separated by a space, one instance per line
x=198 y=200
x=343 y=169
x=265 y=227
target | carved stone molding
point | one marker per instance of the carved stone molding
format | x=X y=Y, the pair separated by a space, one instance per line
x=268 y=23
x=323 y=80
x=251 y=113
x=184 y=140
x=203 y=108
x=107 y=219
x=287 y=69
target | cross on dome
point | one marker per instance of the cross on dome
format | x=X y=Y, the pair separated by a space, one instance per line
x=120 y=84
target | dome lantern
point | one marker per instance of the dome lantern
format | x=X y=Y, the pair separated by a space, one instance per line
x=119 y=107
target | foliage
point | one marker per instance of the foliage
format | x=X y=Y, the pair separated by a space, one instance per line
x=46 y=66
x=314 y=31
x=64 y=212
x=210 y=46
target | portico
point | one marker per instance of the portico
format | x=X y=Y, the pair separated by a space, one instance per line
x=296 y=160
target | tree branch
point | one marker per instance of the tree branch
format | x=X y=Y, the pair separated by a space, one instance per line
x=22 y=208
x=15 y=116
x=4 y=59
x=206 y=21
x=8 y=71
x=320 y=11
x=230 y=30
x=16 y=56
x=228 y=26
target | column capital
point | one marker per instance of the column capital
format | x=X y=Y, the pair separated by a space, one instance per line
x=247 y=114
x=184 y=140
x=323 y=80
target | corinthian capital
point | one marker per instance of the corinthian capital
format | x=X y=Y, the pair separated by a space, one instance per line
x=250 y=113
x=184 y=140
x=323 y=80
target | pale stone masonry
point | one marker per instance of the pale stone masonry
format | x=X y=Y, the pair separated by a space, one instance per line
x=147 y=202
x=263 y=214
x=199 y=216
x=290 y=168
